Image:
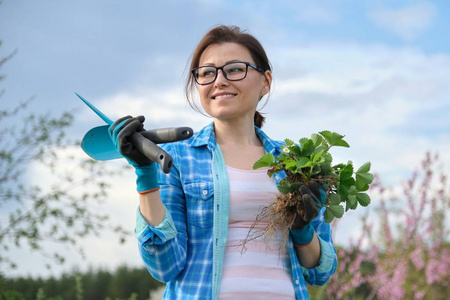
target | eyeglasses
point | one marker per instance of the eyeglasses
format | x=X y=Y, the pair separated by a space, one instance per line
x=233 y=71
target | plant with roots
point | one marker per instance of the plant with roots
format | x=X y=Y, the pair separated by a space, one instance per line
x=307 y=161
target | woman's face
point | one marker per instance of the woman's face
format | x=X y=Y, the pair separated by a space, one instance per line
x=232 y=100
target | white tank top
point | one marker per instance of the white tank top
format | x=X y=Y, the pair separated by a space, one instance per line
x=262 y=271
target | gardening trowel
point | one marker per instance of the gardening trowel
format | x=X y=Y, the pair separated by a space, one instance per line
x=98 y=144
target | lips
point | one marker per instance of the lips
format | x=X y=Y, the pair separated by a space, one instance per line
x=223 y=96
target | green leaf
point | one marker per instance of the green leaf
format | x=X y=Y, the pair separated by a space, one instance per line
x=363 y=199
x=286 y=187
x=335 y=199
x=325 y=169
x=283 y=187
x=318 y=154
x=327 y=135
x=316 y=170
x=342 y=143
x=364 y=178
x=328 y=158
x=266 y=160
x=348 y=182
x=365 y=168
x=289 y=142
x=337 y=210
x=334 y=139
x=296 y=150
x=307 y=146
x=346 y=172
x=351 y=202
x=328 y=215
x=361 y=186
x=343 y=191
x=317 y=139
x=303 y=163
x=339 y=167
x=291 y=165
x=304 y=141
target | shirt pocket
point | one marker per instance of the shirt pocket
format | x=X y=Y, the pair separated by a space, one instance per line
x=199 y=203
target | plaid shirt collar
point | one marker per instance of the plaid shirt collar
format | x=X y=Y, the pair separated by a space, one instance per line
x=206 y=137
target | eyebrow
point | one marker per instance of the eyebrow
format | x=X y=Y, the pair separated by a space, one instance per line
x=228 y=62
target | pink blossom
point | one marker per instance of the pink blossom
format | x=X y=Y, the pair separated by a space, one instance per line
x=419 y=295
x=416 y=258
x=419 y=248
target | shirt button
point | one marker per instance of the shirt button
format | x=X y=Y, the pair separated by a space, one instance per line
x=297 y=282
x=205 y=192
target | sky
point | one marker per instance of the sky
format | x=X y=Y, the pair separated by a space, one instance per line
x=376 y=71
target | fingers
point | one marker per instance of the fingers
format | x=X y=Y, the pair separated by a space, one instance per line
x=141 y=119
x=315 y=187
x=122 y=126
x=310 y=211
x=122 y=129
x=299 y=223
x=310 y=207
x=121 y=132
x=116 y=124
x=305 y=190
x=128 y=127
x=319 y=190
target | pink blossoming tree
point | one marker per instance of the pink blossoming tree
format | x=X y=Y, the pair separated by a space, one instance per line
x=404 y=252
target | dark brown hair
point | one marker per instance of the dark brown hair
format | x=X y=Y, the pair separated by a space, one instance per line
x=227 y=34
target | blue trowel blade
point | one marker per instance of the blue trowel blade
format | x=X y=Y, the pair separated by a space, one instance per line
x=98 y=145
x=96 y=110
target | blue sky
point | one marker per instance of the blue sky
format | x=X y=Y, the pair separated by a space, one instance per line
x=376 y=71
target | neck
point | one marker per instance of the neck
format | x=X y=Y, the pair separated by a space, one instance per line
x=232 y=133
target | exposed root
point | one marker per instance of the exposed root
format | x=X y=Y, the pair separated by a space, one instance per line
x=279 y=216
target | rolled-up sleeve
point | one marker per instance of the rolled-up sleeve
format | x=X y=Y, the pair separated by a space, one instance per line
x=147 y=234
x=326 y=268
x=163 y=247
x=328 y=259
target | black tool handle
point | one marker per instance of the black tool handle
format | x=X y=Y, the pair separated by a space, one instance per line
x=153 y=152
x=167 y=135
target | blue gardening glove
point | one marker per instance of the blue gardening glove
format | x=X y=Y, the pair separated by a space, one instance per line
x=145 y=169
x=313 y=197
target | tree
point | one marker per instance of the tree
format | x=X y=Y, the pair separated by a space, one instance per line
x=64 y=208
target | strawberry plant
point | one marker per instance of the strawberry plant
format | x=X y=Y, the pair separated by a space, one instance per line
x=310 y=160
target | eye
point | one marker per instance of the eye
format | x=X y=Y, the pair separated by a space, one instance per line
x=235 y=68
x=206 y=72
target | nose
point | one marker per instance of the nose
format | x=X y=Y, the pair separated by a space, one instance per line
x=220 y=79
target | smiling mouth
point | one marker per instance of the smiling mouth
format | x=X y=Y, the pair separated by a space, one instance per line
x=218 y=97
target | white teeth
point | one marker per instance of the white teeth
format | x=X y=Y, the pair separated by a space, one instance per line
x=224 y=96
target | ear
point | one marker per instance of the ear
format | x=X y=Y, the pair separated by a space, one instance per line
x=267 y=81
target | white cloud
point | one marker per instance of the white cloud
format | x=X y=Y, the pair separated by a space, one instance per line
x=161 y=108
x=408 y=22
x=389 y=102
x=373 y=94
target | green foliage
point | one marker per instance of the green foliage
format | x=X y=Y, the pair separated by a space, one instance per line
x=310 y=160
x=63 y=207
x=123 y=283
x=78 y=287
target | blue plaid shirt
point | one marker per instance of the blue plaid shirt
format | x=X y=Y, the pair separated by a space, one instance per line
x=186 y=250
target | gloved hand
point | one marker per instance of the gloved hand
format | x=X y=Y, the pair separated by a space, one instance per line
x=313 y=196
x=145 y=169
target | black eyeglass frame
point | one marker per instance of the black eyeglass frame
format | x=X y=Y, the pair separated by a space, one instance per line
x=247 y=64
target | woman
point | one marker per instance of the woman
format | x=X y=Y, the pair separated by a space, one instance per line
x=190 y=221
